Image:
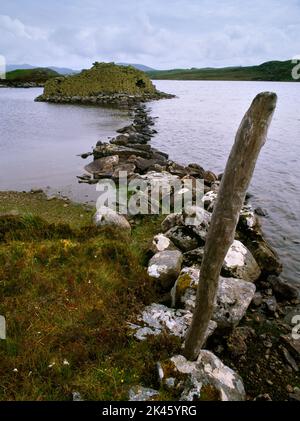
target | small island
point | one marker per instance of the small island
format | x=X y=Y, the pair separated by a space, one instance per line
x=103 y=84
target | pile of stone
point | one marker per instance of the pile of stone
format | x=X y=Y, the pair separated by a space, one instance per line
x=250 y=272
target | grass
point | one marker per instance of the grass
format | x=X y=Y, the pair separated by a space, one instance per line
x=269 y=71
x=67 y=291
x=39 y=75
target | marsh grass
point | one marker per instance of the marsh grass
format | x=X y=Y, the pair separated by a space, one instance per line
x=67 y=292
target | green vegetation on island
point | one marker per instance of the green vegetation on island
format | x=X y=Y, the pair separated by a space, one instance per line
x=101 y=78
x=38 y=75
x=269 y=71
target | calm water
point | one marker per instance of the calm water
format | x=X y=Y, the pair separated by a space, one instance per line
x=39 y=143
x=200 y=125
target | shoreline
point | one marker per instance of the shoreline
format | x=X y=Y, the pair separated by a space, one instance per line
x=273 y=298
x=267 y=314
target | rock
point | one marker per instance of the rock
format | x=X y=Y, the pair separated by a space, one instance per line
x=247 y=219
x=198 y=219
x=193 y=257
x=144 y=165
x=209 y=177
x=257 y=299
x=108 y=217
x=196 y=170
x=263 y=397
x=161 y=243
x=182 y=238
x=236 y=342
x=160 y=180
x=209 y=200
x=271 y=304
x=292 y=344
x=290 y=360
x=157 y=318
x=261 y=212
x=233 y=297
x=295 y=396
x=104 y=166
x=267 y=258
x=186 y=281
x=240 y=263
x=140 y=393
x=171 y=221
x=283 y=289
x=76 y=397
x=251 y=235
x=205 y=379
x=165 y=267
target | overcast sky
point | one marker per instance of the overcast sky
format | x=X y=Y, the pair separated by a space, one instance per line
x=158 y=33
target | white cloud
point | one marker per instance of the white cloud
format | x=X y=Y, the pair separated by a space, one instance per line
x=177 y=33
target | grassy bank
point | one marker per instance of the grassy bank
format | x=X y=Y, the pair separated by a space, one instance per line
x=269 y=71
x=67 y=290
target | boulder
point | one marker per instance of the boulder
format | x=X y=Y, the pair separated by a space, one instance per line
x=233 y=296
x=165 y=267
x=104 y=166
x=108 y=217
x=205 y=379
x=198 y=219
x=141 y=394
x=171 y=221
x=157 y=318
x=182 y=238
x=283 y=289
x=239 y=263
x=193 y=257
x=209 y=200
x=161 y=243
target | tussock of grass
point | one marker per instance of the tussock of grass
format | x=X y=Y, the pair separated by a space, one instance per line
x=67 y=294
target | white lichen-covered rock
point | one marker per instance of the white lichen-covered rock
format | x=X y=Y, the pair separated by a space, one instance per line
x=140 y=393
x=198 y=219
x=205 y=379
x=248 y=219
x=209 y=200
x=171 y=221
x=165 y=267
x=184 y=289
x=233 y=299
x=161 y=242
x=183 y=238
x=240 y=263
x=233 y=296
x=108 y=217
x=157 y=318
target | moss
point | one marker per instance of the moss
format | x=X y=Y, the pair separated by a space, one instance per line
x=209 y=393
x=102 y=78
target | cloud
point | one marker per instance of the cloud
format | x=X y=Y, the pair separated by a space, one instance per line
x=177 y=33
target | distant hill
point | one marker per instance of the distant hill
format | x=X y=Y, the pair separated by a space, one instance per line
x=141 y=67
x=269 y=71
x=38 y=75
x=60 y=70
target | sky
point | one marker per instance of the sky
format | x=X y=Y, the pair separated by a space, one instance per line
x=162 y=34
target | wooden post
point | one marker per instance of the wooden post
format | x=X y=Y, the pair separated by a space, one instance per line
x=249 y=139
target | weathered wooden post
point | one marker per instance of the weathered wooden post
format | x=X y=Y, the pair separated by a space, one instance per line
x=249 y=139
